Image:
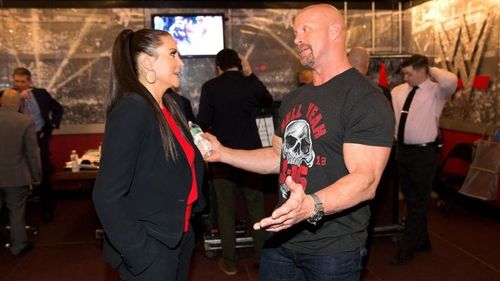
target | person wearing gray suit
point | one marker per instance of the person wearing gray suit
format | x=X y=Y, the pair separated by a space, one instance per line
x=20 y=167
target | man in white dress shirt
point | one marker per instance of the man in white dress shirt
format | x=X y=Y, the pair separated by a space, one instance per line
x=418 y=104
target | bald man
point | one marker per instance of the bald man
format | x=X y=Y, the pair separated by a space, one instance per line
x=330 y=148
x=360 y=59
x=19 y=167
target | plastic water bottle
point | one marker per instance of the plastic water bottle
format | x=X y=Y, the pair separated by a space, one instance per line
x=203 y=144
x=75 y=166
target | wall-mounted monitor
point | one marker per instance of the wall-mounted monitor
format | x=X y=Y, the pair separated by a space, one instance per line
x=196 y=34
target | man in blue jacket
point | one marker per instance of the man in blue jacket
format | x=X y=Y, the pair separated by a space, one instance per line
x=46 y=112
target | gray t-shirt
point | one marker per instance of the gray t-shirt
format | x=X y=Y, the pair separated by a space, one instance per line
x=315 y=122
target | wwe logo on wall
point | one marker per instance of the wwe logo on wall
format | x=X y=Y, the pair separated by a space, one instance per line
x=462 y=53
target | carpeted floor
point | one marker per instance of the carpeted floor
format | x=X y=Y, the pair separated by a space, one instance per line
x=466 y=246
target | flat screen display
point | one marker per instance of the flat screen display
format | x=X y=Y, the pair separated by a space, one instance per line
x=196 y=35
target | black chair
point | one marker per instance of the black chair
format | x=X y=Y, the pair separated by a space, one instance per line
x=447 y=182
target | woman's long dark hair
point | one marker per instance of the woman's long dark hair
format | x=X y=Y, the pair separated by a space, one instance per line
x=124 y=80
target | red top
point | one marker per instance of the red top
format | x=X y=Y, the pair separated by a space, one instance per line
x=189 y=152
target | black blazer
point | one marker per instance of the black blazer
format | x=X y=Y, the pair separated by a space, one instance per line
x=228 y=107
x=139 y=195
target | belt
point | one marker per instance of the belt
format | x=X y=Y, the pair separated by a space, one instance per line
x=434 y=143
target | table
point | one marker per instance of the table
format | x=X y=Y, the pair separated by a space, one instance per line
x=68 y=180
x=81 y=175
x=84 y=179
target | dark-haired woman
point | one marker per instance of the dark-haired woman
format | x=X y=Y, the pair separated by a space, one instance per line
x=148 y=182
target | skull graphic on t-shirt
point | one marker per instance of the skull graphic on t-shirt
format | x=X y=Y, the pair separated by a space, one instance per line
x=297 y=148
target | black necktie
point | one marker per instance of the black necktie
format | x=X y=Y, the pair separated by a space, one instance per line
x=404 y=115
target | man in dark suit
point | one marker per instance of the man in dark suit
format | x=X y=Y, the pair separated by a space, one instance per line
x=229 y=105
x=19 y=167
x=46 y=112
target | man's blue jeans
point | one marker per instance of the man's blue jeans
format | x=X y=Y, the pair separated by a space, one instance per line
x=280 y=264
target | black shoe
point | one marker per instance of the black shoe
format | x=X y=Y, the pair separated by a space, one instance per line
x=401 y=258
x=226 y=268
x=26 y=249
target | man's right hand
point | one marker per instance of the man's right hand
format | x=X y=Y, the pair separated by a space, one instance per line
x=217 y=148
x=25 y=93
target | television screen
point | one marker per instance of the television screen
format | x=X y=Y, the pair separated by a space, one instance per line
x=196 y=35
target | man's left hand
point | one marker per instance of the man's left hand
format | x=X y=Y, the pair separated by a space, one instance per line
x=297 y=208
